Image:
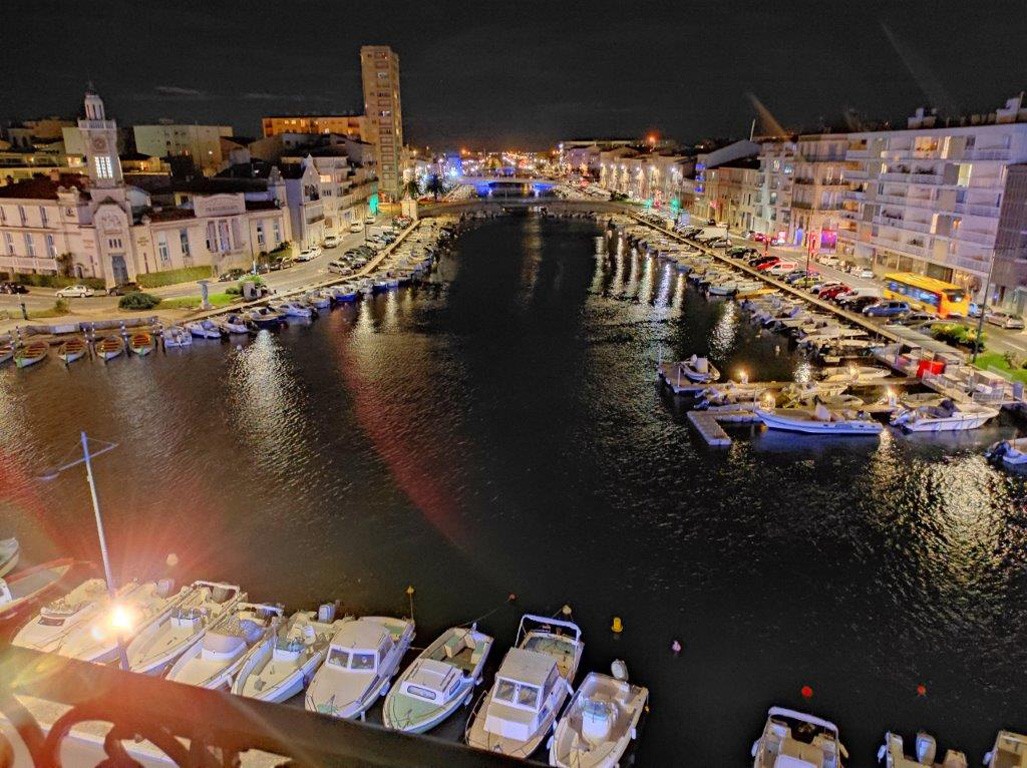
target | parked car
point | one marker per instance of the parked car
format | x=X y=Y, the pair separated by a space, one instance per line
x=917 y=318
x=829 y=261
x=13 y=288
x=974 y=309
x=759 y=237
x=123 y=288
x=230 y=275
x=855 y=303
x=331 y=241
x=340 y=268
x=865 y=274
x=308 y=254
x=834 y=290
x=887 y=309
x=766 y=264
x=781 y=268
x=760 y=260
x=356 y=226
x=75 y=292
x=1003 y=320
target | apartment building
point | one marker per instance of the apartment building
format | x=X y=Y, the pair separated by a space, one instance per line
x=354 y=126
x=818 y=191
x=201 y=144
x=929 y=198
x=732 y=194
x=773 y=212
x=379 y=67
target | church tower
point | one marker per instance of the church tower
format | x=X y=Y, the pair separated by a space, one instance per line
x=100 y=137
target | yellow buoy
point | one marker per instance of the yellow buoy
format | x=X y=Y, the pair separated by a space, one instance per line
x=618 y=625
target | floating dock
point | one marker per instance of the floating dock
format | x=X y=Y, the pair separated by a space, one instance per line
x=707 y=423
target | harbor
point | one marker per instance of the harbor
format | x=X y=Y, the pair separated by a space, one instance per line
x=299 y=466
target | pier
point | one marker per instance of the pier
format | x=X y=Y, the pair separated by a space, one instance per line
x=707 y=424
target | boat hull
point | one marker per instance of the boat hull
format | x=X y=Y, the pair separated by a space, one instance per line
x=846 y=428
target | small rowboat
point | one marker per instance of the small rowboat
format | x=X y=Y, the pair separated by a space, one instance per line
x=71 y=350
x=6 y=352
x=141 y=343
x=110 y=347
x=31 y=354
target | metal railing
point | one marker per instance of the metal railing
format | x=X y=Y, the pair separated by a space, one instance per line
x=217 y=726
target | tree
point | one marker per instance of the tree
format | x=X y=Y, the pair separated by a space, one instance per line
x=64 y=264
x=412 y=189
x=435 y=186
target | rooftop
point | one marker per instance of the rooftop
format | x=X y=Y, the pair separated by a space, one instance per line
x=42 y=187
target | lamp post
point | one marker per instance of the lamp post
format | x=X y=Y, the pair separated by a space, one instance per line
x=87 y=459
x=984 y=308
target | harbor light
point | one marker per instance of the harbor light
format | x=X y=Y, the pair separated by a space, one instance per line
x=121 y=619
x=743 y=376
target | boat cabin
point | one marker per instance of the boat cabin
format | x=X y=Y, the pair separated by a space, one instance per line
x=1010 y=751
x=795 y=740
x=519 y=701
x=433 y=681
x=359 y=646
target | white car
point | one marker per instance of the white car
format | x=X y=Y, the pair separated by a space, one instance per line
x=829 y=261
x=331 y=241
x=75 y=292
x=356 y=226
x=309 y=253
x=1004 y=320
x=866 y=274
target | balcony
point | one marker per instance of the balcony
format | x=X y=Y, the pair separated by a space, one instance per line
x=974 y=236
x=924 y=178
x=860 y=175
x=986 y=154
x=860 y=153
x=988 y=211
x=27 y=264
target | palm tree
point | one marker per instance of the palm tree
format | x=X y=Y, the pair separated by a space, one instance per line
x=412 y=189
x=435 y=186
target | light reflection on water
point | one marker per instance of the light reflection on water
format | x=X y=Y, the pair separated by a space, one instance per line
x=500 y=432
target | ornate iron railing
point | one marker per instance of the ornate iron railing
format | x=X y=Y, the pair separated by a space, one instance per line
x=216 y=727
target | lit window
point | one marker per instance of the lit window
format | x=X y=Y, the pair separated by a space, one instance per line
x=104 y=169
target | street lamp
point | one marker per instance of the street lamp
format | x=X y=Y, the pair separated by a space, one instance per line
x=984 y=308
x=87 y=459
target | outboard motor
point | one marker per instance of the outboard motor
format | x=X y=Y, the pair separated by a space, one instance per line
x=926 y=747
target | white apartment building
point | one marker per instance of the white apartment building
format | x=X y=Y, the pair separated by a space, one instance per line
x=927 y=198
x=379 y=67
x=199 y=143
x=818 y=191
x=773 y=215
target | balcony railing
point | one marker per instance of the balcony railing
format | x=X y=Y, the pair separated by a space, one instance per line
x=989 y=211
x=217 y=726
x=972 y=236
x=855 y=175
x=986 y=154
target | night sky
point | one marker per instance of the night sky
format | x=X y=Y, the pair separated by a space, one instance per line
x=516 y=74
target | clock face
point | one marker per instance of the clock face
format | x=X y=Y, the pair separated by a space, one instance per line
x=99 y=144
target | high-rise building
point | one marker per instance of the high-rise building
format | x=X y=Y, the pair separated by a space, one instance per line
x=379 y=67
x=354 y=126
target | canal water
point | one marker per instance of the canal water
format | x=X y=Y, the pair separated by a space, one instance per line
x=498 y=433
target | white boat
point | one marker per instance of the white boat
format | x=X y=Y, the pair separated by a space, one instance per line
x=10 y=550
x=19 y=591
x=1009 y=751
x=699 y=370
x=278 y=670
x=318 y=300
x=293 y=309
x=362 y=658
x=1011 y=452
x=948 y=416
x=531 y=686
x=137 y=606
x=345 y=293
x=854 y=373
x=234 y=324
x=60 y=617
x=795 y=740
x=204 y=603
x=819 y=420
x=600 y=721
x=214 y=660
x=439 y=682
x=177 y=336
x=204 y=329
x=892 y=753
x=722 y=288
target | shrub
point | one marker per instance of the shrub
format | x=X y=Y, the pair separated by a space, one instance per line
x=173 y=276
x=58 y=281
x=956 y=334
x=138 y=300
x=60 y=307
x=1013 y=360
x=234 y=290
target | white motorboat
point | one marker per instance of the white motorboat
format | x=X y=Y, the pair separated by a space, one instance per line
x=265 y=317
x=362 y=658
x=795 y=740
x=20 y=591
x=318 y=300
x=600 y=721
x=202 y=605
x=345 y=293
x=177 y=336
x=1011 y=452
x=439 y=682
x=281 y=669
x=948 y=416
x=819 y=420
x=204 y=329
x=892 y=753
x=853 y=373
x=214 y=660
x=531 y=686
x=59 y=618
x=1009 y=751
x=699 y=369
x=293 y=309
x=839 y=402
x=10 y=550
x=234 y=324
x=137 y=606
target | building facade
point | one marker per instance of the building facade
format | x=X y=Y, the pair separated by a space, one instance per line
x=199 y=143
x=354 y=126
x=379 y=67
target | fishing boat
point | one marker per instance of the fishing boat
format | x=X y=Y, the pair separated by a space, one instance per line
x=110 y=347
x=797 y=740
x=141 y=343
x=362 y=658
x=893 y=754
x=59 y=617
x=6 y=352
x=72 y=349
x=10 y=550
x=177 y=336
x=819 y=420
x=31 y=354
x=531 y=687
x=214 y=660
x=24 y=589
x=204 y=329
x=439 y=682
x=203 y=604
x=600 y=721
x=278 y=670
x=947 y=416
x=1009 y=751
x=265 y=317
x=234 y=324
x=138 y=606
x=699 y=369
x=1012 y=452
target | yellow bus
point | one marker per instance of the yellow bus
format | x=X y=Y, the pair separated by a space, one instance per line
x=937 y=296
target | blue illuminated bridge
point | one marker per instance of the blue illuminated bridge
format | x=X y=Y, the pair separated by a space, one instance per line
x=508 y=186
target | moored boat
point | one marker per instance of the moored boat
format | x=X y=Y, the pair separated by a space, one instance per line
x=234 y=324
x=58 y=618
x=893 y=753
x=294 y=309
x=948 y=416
x=6 y=352
x=796 y=739
x=204 y=329
x=819 y=420
x=141 y=343
x=72 y=349
x=699 y=370
x=439 y=682
x=30 y=354
x=21 y=591
x=1012 y=452
x=177 y=336
x=1009 y=751
x=110 y=347
x=265 y=317
x=600 y=722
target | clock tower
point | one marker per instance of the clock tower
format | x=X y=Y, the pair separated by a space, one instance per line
x=100 y=137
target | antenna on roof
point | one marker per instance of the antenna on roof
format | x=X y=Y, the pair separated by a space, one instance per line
x=752 y=129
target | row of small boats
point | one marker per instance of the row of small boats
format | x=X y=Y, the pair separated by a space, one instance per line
x=209 y=634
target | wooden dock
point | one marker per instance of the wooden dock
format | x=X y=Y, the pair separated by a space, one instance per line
x=707 y=423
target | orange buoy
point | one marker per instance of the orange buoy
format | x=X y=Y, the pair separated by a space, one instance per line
x=807 y=692
x=618 y=625
x=921 y=690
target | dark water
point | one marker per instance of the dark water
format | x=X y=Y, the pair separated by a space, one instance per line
x=499 y=432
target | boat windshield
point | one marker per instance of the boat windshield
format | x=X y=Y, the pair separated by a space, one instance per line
x=421 y=693
x=362 y=662
x=339 y=658
x=519 y=694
